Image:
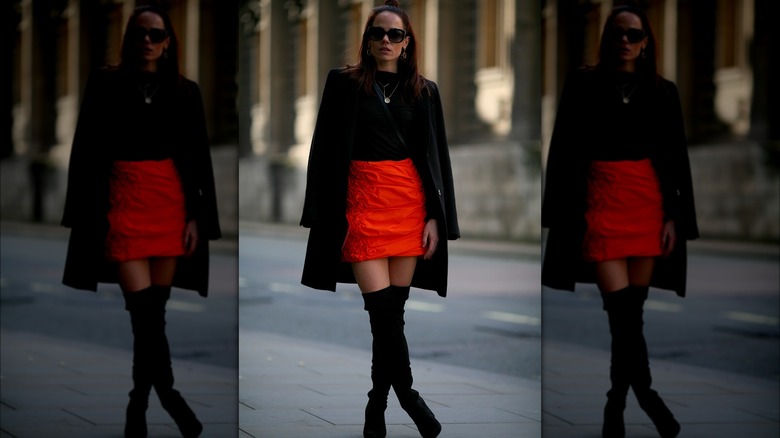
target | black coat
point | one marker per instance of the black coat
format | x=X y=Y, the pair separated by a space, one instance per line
x=103 y=121
x=326 y=187
x=581 y=123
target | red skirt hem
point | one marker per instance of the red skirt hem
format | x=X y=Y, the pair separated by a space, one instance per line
x=147 y=215
x=385 y=211
x=625 y=211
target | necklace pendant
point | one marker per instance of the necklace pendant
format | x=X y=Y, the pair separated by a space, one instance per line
x=387 y=100
x=625 y=100
x=148 y=100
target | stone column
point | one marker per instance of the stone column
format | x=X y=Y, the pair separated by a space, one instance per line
x=526 y=57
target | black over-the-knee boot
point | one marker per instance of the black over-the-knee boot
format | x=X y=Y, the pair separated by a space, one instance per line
x=378 y=304
x=616 y=304
x=409 y=399
x=138 y=304
x=170 y=399
x=648 y=399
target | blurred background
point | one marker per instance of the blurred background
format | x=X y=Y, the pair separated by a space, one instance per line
x=500 y=65
x=51 y=46
x=495 y=62
x=719 y=55
x=482 y=54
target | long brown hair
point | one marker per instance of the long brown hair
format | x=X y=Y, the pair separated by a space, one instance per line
x=365 y=70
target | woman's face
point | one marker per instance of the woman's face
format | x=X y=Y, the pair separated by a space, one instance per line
x=150 y=39
x=629 y=38
x=384 y=51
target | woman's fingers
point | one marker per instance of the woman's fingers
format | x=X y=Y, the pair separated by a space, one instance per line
x=669 y=239
x=190 y=238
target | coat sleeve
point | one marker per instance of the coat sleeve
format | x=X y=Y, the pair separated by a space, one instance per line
x=203 y=199
x=319 y=157
x=564 y=170
x=445 y=166
x=681 y=206
x=86 y=165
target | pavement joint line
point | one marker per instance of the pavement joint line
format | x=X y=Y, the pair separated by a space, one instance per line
x=78 y=416
x=317 y=416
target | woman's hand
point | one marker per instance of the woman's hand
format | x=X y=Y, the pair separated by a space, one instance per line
x=430 y=238
x=668 y=238
x=190 y=237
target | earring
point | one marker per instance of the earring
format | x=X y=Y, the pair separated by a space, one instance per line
x=642 y=53
x=165 y=53
x=368 y=51
x=403 y=54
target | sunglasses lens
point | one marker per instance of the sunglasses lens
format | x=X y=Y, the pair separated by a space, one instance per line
x=635 y=35
x=157 y=35
x=395 y=35
x=376 y=33
x=632 y=35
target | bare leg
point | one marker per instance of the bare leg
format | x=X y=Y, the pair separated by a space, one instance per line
x=162 y=270
x=134 y=275
x=401 y=270
x=612 y=275
x=372 y=275
x=640 y=270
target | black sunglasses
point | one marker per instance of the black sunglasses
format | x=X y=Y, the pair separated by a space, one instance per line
x=155 y=35
x=632 y=34
x=394 y=35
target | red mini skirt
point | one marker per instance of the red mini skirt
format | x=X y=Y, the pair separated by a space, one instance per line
x=147 y=215
x=385 y=211
x=625 y=211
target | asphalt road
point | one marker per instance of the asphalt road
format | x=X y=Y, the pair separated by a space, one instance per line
x=490 y=319
x=32 y=299
x=728 y=321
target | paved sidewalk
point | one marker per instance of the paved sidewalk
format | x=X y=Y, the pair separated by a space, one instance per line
x=294 y=388
x=55 y=388
x=707 y=403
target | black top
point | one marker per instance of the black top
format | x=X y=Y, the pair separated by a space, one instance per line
x=623 y=105
x=375 y=138
x=146 y=105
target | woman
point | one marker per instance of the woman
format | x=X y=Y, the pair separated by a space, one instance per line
x=619 y=200
x=379 y=195
x=140 y=202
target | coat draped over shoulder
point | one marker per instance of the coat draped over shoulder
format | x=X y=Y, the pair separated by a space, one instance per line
x=101 y=122
x=580 y=124
x=324 y=210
